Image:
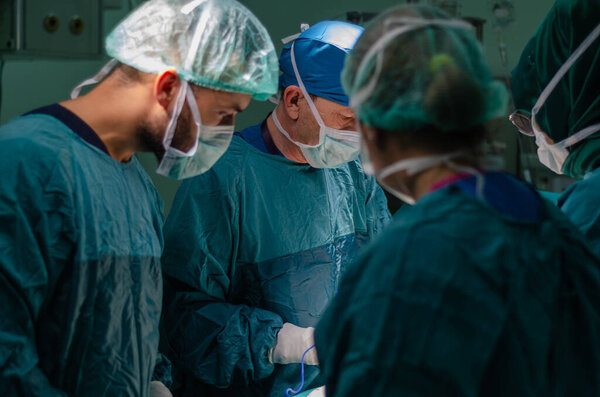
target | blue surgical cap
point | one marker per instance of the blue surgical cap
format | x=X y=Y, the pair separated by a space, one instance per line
x=320 y=52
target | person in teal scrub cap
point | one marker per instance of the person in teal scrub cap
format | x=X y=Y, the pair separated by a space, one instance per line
x=255 y=248
x=481 y=287
x=80 y=222
x=556 y=82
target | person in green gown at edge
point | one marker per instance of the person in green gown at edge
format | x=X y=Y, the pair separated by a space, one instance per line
x=255 y=248
x=80 y=222
x=481 y=288
x=555 y=87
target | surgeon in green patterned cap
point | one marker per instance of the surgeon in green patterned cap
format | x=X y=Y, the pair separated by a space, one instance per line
x=80 y=221
x=481 y=287
x=556 y=90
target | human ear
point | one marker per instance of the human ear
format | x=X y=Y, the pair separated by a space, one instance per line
x=166 y=87
x=291 y=96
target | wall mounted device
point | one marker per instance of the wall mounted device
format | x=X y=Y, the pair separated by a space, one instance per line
x=53 y=28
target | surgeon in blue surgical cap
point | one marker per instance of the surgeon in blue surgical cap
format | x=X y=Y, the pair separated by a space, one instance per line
x=255 y=247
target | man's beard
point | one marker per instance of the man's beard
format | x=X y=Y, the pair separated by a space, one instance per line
x=151 y=142
x=151 y=136
x=185 y=131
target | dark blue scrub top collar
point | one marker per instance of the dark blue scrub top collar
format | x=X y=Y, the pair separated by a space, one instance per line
x=72 y=121
x=506 y=194
x=269 y=139
x=260 y=138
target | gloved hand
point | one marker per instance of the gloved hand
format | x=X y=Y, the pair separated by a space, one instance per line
x=157 y=389
x=292 y=342
x=318 y=392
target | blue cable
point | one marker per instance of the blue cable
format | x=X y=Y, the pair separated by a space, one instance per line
x=289 y=389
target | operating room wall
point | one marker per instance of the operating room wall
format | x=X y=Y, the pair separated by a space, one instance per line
x=29 y=83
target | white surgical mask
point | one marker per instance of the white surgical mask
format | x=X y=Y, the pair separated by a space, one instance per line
x=211 y=141
x=555 y=155
x=411 y=166
x=335 y=147
x=209 y=145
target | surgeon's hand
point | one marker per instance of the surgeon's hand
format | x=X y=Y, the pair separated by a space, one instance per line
x=318 y=392
x=157 y=389
x=292 y=342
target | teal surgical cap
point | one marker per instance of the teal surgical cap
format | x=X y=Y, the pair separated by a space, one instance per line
x=320 y=52
x=415 y=67
x=217 y=44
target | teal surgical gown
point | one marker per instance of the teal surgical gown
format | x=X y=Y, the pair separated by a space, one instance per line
x=257 y=241
x=80 y=277
x=581 y=204
x=459 y=297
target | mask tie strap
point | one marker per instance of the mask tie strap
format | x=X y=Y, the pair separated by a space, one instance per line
x=303 y=89
x=480 y=185
x=559 y=75
x=290 y=38
x=170 y=132
x=98 y=77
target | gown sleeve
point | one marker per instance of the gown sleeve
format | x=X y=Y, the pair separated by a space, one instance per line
x=209 y=336
x=36 y=243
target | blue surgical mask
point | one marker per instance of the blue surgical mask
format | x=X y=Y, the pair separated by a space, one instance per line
x=210 y=144
x=335 y=147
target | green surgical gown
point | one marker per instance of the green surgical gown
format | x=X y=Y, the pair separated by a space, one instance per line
x=456 y=298
x=257 y=241
x=581 y=204
x=574 y=104
x=80 y=277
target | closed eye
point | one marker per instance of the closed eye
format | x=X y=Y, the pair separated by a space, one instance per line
x=227 y=120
